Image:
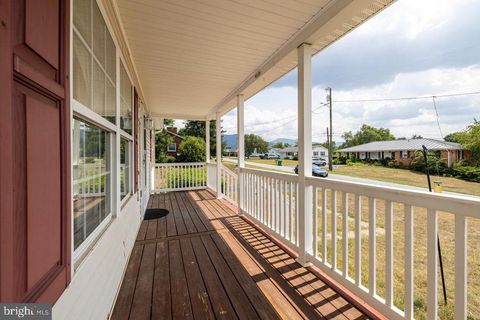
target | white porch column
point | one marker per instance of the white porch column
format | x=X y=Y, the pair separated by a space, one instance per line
x=240 y=148
x=218 y=129
x=304 y=151
x=207 y=141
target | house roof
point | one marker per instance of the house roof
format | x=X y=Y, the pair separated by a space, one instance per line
x=407 y=144
x=193 y=57
x=175 y=134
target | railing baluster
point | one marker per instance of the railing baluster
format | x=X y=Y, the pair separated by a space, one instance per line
x=285 y=211
x=345 y=234
x=372 y=246
x=389 y=253
x=408 y=269
x=324 y=225
x=282 y=216
x=460 y=267
x=290 y=209
x=358 y=240
x=432 y=268
x=333 y=231
x=277 y=206
x=315 y=222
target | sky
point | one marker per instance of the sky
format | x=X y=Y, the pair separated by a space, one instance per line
x=413 y=48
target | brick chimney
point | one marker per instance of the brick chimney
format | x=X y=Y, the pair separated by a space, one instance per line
x=172 y=129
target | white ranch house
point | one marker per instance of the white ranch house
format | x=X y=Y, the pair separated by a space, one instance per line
x=291 y=152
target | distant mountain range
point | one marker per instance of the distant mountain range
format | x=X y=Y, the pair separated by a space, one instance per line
x=283 y=140
x=231 y=141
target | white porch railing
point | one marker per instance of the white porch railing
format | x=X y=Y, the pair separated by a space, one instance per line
x=345 y=229
x=229 y=185
x=270 y=198
x=179 y=176
x=212 y=176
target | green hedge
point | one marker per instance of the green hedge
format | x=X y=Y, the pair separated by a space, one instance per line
x=186 y=177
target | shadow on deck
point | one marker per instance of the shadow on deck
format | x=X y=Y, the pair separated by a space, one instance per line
x=203 y=261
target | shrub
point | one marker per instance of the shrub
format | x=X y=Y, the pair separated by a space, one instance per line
x=192 y=149
x=394 y=164
x=435 y=164
x=354 y=162
x=340 y=160
x=469 y=173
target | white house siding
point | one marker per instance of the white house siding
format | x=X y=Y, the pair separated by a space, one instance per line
x=95 y=283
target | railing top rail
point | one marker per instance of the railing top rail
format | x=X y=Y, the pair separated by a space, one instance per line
x=177 y=164
x=229 y=171
x=457 y=204
x=270 y=174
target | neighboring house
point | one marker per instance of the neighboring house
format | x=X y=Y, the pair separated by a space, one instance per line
x=292 y=152
x=172 y=148
x=404 y=151
x=231 y=152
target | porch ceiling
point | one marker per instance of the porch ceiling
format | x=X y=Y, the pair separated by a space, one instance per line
x=193 y=56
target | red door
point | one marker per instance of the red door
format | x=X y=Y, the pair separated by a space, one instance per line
x=34 y=150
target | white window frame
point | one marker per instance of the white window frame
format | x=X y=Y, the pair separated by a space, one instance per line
x=82 y=112
x=404 y=154
x=130 y=170
x=97 y=120
x=168 y=147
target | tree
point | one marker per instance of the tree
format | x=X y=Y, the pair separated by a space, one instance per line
x=452 y=137
x=162 y=140
x=470 y=139
x=255 y=143
x=192 y=149
x=197 y=129
x=168 y=122
x=417 y=136
x=366 y=134
x=280 y=145
x=325 y=145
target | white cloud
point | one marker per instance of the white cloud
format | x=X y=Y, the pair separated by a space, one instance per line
x=416 y=18
x=272 y=113
x=413 y=48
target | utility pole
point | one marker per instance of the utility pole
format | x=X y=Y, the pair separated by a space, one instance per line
x=329 y=137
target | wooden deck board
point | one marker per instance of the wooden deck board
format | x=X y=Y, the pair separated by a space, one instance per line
x=203 y=261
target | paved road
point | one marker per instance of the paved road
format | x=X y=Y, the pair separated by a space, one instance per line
x=348 y=178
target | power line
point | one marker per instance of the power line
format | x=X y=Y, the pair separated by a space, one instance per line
x=438 y=118
x=410 y=98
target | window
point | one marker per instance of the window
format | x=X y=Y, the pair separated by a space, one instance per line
x=315 y=153
x=94 y=60
x=322 y=153
x=404 y=154
x=91 y=179
x=126 y=100
x=172 y=147
x=125 y=165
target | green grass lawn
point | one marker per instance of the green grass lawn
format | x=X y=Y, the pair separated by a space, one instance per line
x=286 y=162
x=407 y=177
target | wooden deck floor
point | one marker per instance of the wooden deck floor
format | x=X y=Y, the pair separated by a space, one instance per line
x=202 y=261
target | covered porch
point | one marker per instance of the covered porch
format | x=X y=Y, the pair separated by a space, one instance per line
x=85 y=84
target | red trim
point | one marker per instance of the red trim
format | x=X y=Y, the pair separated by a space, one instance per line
x=361 y=305
x=136 y=121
